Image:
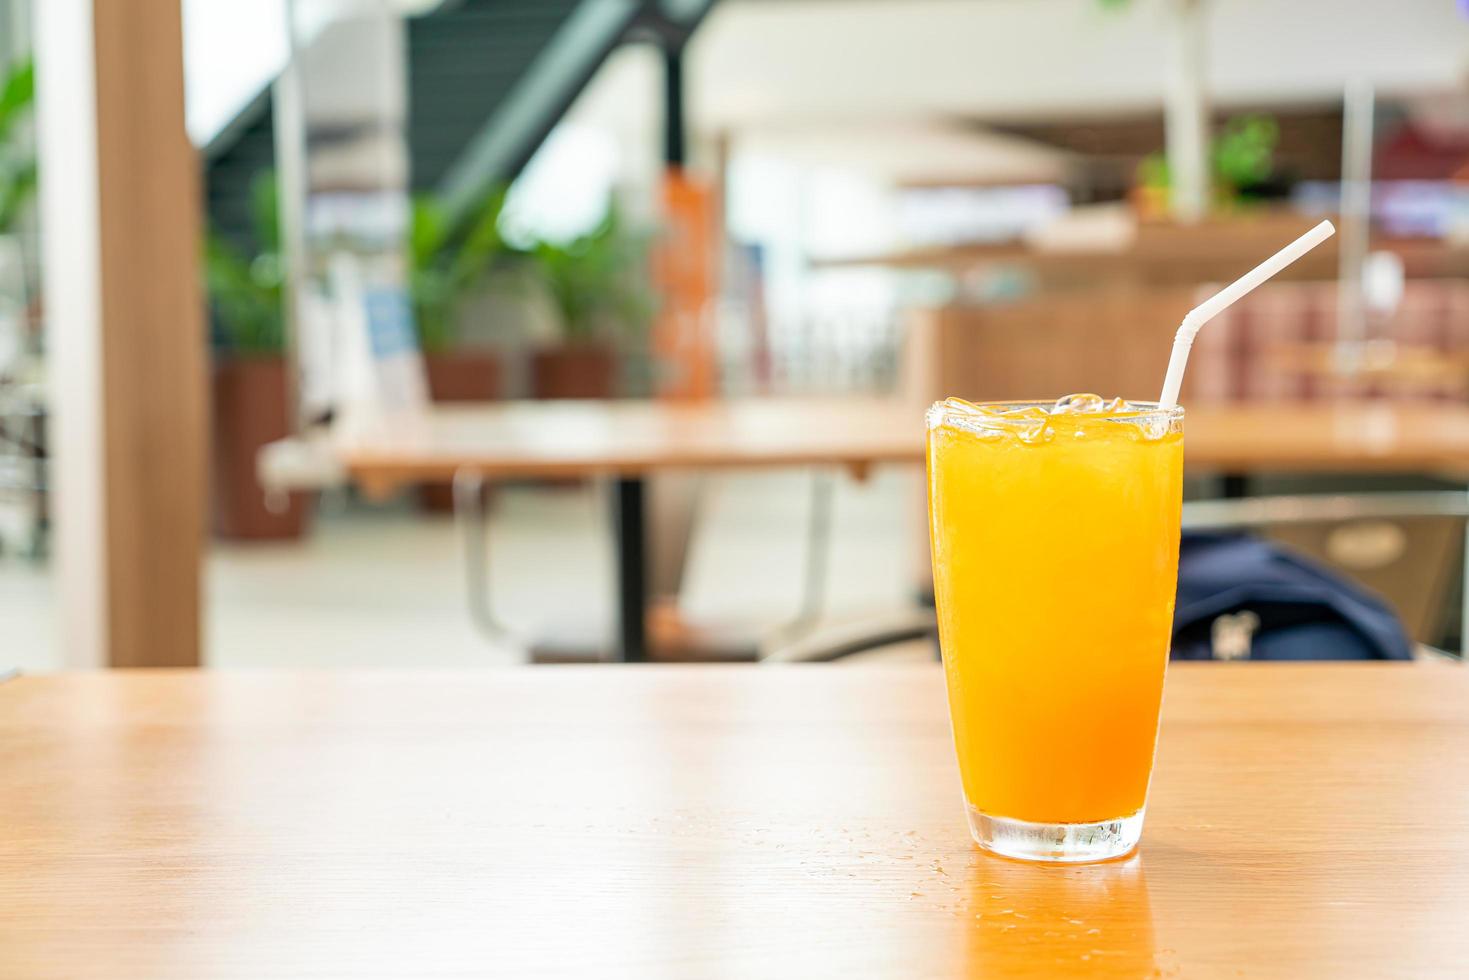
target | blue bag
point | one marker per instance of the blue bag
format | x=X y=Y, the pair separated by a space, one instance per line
x=1241 y=598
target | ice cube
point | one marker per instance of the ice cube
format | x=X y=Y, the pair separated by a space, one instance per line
x=964 y=407
x=1037 y=433
x=1118 y=405
x=1155 y=429
x=1084 y=402
x=1001 y=411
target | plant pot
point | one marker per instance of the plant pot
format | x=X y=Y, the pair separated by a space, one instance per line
x=574 y=371
x=249 y=411
x=457 y=376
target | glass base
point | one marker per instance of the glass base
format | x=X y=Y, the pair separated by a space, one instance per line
x=1066 y=843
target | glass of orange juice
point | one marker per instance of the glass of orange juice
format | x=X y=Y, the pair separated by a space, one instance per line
x=1055 y=559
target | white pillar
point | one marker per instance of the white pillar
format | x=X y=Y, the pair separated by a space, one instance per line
x=1186 y=111
x=1358 y=103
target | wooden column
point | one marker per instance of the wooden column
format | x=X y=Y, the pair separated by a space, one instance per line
x=120 y=213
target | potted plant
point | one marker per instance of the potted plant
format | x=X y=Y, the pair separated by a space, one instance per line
x=1242 y=163
x=1243 y=159
x=17 y=161
x=444 y=270
x=250 y=390
x=17 y=190
x=599 y=283
x=23 y=509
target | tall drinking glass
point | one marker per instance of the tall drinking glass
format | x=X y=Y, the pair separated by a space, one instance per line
x=1055 y=559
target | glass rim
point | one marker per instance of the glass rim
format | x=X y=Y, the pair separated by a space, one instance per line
x=945 y=410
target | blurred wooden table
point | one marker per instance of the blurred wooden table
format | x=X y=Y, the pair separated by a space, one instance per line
x=510 y=440
x=1346 y=437
x=627 y=440
x=630 y=438
x=1306 y=821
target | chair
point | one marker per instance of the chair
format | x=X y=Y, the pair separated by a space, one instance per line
x=675 y=640
x=1401 y=545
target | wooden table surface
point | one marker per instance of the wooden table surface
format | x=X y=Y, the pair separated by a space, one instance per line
x=1306 y=821
x=555 y=439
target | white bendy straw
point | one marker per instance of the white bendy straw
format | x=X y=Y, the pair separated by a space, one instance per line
x=1216 y=304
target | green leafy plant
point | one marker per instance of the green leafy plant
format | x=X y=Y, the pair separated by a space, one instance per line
x=1153 y=172
x=246 y=291
x=599 y=279
x=1242 y=156
x=445 y=266
x=17 y=162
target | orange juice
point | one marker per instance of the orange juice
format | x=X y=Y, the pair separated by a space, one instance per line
x=1055 y=553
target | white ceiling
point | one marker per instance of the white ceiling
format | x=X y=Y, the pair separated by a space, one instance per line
x=884 y=81
x=761 y=63
x=886 y=85
x=234 y=48
x=911 y=151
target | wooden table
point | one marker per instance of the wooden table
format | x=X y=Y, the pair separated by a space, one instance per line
x=510 y=440
x=630 y=438
x=627 y=440
x=1306 y=821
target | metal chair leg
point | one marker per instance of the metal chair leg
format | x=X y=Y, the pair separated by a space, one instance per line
x=469 y=512
x=917 y=625
x=818 y=558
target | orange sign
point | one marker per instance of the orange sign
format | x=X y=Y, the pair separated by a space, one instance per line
x=684 y=270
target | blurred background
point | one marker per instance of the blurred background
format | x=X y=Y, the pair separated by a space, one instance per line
x=387 y=206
